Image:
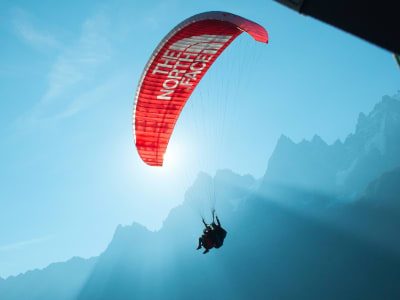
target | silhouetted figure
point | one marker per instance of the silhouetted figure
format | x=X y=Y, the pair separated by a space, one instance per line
x=212 y=236
x=207 y=238
x=219 y=232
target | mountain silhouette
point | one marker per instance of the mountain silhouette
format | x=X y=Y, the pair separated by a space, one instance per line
x=272 y=250
x=321 y=224
x=57 y=281
x=342 y=169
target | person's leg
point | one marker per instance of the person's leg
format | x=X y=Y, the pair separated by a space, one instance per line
x=199 y=246
x=205 y=251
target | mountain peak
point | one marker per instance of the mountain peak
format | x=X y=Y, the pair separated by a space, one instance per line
x=338 y=142
x=341 y=167
x=388 y=103
x=318 y=140
x=283 y=139
x=361 y=121
x=373 y=130
x=388 y=107
x=130 y=232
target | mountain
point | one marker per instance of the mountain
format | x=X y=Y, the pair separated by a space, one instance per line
x=164 y=264
x=380 y=204
x=385 y=190
x=341 y=169
x=272 y=251
x=290 y=235
x=58 y=281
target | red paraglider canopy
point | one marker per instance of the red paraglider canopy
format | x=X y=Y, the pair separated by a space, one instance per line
x=173 y=72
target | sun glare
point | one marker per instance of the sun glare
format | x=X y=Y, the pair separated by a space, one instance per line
x=172 y=157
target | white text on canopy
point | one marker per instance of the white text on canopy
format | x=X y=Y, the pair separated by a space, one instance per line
x=184 y=61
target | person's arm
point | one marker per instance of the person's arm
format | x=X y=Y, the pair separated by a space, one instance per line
x=218 y=223
x=204 y=222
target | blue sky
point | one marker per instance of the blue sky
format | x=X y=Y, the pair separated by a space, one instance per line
x=68 y=73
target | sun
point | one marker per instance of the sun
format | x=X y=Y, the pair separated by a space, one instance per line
x=172 y=157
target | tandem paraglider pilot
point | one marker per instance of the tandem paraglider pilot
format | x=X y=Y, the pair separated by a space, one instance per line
x=213 y=236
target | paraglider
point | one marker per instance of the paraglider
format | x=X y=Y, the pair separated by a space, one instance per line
x=213 y=236
x=173 y=71
x=169 y=78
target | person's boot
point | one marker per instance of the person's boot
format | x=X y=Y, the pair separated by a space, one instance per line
x=198 y=247
x=205 y=251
